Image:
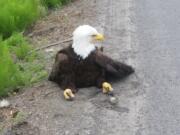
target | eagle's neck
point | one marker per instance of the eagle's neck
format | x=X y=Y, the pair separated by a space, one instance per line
x=83 y=49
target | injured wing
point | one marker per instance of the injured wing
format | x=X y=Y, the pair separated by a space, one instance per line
x=112 y=66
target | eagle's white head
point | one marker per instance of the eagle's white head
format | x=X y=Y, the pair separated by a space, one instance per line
x=84 y=38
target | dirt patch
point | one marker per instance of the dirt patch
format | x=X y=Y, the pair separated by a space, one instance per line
x=6 y=115
x=23 y=128
x=13 y=122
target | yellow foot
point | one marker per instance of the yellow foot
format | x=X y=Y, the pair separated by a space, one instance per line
x=107 y=87
x=68 y=95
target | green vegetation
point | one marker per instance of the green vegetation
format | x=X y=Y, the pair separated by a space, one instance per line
x=17 y=67
x=13 y=120
x=55 y=3
x=19 y=118
x=16 y=15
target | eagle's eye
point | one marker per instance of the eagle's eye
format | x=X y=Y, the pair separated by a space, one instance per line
x=94 y=35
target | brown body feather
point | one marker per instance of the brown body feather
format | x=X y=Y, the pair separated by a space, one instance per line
x=71 y=71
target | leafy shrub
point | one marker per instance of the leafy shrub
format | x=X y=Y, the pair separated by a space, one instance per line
x=17 y=67
x=9 y=75
x=55 y=3
x=16 y=15
x=19 y=46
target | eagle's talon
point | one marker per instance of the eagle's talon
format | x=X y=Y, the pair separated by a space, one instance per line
x=68 y=94
x=111 y=93
x=107 y=88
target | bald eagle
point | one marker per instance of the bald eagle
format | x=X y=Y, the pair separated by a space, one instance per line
x=81 y=64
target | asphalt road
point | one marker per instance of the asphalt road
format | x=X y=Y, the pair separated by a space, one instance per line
x=146 y=34
x=158 y=45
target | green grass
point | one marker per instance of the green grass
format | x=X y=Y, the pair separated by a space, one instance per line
x=9 y=74
x=16 y=15
x=17 y=67
x=55 y=3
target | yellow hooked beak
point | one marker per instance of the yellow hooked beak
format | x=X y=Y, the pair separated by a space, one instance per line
x=99 y=37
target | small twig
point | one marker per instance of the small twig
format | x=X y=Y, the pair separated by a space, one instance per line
x=54 y=44
x=50 y=45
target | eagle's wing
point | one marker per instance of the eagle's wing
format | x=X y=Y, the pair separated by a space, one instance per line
x=61 y=59
x=112 y=66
